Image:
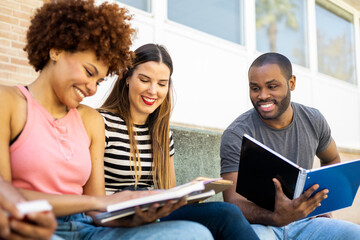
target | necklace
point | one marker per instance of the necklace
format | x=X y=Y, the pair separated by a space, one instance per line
x=61 y=133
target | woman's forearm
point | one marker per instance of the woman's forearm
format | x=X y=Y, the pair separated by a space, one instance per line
x=66 y=204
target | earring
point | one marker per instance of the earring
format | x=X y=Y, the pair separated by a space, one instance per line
x=127 y=84
x=53 y=59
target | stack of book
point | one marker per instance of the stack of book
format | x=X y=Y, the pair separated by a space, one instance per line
x=194 y=191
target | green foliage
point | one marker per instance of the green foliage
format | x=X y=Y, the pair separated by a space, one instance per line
x=273 y=11
x=270 y=12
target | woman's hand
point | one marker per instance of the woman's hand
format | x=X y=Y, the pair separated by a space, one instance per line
x=151 y=215
x=40 y=226
x=155 y=212
x=7 y=209
x=14 y=225
x=141 y=217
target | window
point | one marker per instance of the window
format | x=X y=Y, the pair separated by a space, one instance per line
x=281 y=27
x=217 y=17
x=335 y=41
x=144 y=5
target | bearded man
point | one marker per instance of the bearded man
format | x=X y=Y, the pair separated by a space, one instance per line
x=298 y=133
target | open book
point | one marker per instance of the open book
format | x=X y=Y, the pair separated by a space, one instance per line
x=194 y=191
x=260 y=164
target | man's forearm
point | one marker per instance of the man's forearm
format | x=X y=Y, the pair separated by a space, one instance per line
x=253 y=213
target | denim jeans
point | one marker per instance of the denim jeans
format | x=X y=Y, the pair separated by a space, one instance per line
x=224 y=220
x=54 y=237
x=317 y=228
x=79 y=226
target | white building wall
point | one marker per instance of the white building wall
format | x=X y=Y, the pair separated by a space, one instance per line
x=210 y=75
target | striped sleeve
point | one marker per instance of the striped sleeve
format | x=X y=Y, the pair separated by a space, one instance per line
x=172 y=145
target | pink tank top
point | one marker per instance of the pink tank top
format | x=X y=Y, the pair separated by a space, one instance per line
x=50 y=156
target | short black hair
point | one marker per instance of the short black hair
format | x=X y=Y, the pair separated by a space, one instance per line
x=274 y=58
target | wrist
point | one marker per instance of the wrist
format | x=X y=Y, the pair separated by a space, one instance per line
x=278 y=220
x=274 y=220
x=96 y=203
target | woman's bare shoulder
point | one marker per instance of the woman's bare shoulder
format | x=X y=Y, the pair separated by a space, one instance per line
x=90 y=116
x=10 y=96
x=10 y=92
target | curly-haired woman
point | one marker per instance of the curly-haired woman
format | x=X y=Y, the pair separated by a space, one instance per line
x=51 y=146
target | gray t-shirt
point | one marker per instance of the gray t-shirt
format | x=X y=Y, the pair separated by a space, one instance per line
x=307 y=135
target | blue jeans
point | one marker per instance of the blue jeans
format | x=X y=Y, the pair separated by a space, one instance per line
x=224 y=220
x=54 y=237
x=79 y=226
x=317 y=228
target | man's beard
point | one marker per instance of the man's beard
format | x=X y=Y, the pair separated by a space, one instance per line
x=283 y=105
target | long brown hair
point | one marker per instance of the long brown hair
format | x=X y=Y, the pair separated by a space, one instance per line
x=158 y=121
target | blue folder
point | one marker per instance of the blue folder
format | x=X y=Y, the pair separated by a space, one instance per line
x=342 y=180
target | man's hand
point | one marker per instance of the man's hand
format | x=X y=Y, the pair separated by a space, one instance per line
x=287 y=210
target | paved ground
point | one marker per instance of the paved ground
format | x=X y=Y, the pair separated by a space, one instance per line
x=352 y=213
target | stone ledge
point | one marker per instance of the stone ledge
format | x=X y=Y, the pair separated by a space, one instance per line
x=196 y=154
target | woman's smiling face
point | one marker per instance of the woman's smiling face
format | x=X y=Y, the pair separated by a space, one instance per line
x=148 y=87
x=76 y=76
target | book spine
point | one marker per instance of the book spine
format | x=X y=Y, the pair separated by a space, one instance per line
x=300 y=183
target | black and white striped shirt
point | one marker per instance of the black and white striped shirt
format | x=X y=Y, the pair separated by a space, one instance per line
x=118 y=173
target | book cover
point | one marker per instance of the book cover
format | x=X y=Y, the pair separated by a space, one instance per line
x=199 y=196
x=260 y=164
x=342 y=180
